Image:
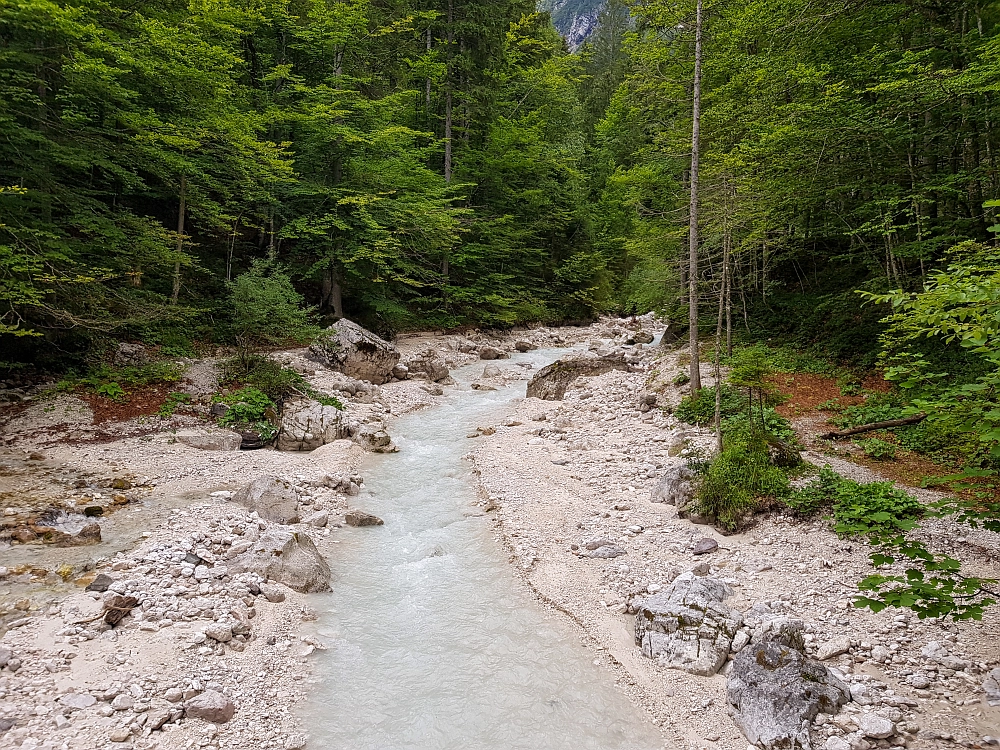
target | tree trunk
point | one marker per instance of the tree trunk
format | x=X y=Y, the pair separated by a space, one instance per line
x=693 y=254
x=180 y=243
x=887 y=425
x=448 y=97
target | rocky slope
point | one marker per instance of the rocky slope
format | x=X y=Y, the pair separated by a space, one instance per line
x=574 y=19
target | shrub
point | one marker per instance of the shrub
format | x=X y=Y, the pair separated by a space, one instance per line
x=112 y=390
x=818 y=494
x=267 y=309
x=173 y=401
x=876 y=449
x=276 y=382
x=875 y=510
x=250 y=408
x=738 y=481
x=699 y=409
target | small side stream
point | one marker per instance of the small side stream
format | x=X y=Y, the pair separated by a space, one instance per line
x=434 y=643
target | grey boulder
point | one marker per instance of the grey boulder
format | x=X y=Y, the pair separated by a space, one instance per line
x=307 y=425
x=373 y=437
x=360 y=518
x=991 y=685
x=551 y=382
x=272 y=498
x=688 y=627
x=211 y=706
x=775 y=691
x=348 y=348
x=675 y=486
x=286 y=557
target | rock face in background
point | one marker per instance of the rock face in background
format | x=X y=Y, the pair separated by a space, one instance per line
x=775 y=691
x=574 y=19
x=688 y=627
x=356 y=352
x=306 y=425
x=551 y=382
x=289 y=558
x=274 y=499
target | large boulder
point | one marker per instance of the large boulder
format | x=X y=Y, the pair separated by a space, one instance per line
x=306 y=425
x=373 y=437
x=427 y=365
x=551 y=382
x=356 y=352
x=210 y=439
x=775 y=691
x=287 y=557
x=273 y=498
x=688 y=627
x=211 y=706
x=675 y=486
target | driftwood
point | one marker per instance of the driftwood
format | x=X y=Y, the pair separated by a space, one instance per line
x=887 y=425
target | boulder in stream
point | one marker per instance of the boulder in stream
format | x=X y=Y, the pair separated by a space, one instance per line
x=347 y=347
x=360 y=518
x=307 y=425
x=287 y=557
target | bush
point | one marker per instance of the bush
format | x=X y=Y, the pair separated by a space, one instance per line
x=875 y=510
x=252 y=409
x=266 y=308
x=276 y=382
x=173 y=401
x=739 y=481
x=818 y=494
x=699 y=409
x=876 y=449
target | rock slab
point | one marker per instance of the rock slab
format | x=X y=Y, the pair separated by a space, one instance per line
x=687 y=626
x=210 y=440
x=287 y=557
x=551 y=382
x=272 y=498
x=307 y=425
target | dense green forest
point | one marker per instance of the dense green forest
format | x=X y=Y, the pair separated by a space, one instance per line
x=438 y=163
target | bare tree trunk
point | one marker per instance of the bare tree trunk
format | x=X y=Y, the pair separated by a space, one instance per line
x=448 y=97
x=693 y=255
x=718 y=362
x=427 y=83
x=180 y=243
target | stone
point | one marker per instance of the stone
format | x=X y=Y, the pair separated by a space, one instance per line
x=272 y=498
x=938 y=654
x=991 y=686
x=491 y=352
x=401 y=372
x=687 y=626
x=775 y=692
x=101 y=583
x=319 y=519
x=607 y=552
x=211 y=706
x=492 y=371
x=130 y=355
x=307 y=425
x=77 y=701
x=219 y=632
x=675 y=486
x=116 y=606
x=210 y=440
x=296 y=742
x=120 y=734
x=524 y=346
x=358 y=353
x=273 y=592
x=643 y=337
x=157 y=717
x=705 y=546
x=287 y=557
x=551 y=382
x=5 y=656
x=122 y=702
x=429 y=365
x=832 y=648
x=174 y=695
x=874 y=726
x=373 y=437
x=360 y=518
x=921 y=681
x=837 y=743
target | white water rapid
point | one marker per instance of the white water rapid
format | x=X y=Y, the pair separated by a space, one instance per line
x=434 y=644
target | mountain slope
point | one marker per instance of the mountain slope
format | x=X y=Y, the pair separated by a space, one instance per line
x=575 y=19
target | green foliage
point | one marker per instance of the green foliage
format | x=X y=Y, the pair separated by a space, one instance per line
x=816 y=495
x=114 y=383
x=266 y=307
x=173 y=401
x=112 y=391
x=876 y=449
x=699 y=409
x=267 y=376
x=250 y=408
x=877 y=407
x=740 y=481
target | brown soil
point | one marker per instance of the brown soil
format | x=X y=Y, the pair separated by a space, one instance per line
x=806 y=392
x=141 y=402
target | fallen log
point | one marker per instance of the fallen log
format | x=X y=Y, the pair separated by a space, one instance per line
x=887 y=425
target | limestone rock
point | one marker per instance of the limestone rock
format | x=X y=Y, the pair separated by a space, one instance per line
x=491 y=352
x=675 y=486
x=360 y=518
x=874 y=726
x=356 y=352
x=319 y=519
x=429 y=365
x=991 y=685
x=157 y=718
x=211 y=706
x=551 y=382
x=524 y=346
x=274 y=499
x=306 y=425
x=687 y=626
x=775 y=691
x=643 y=337
x=273 y=592
x=373 y=437
x=286 y=557
x=836 y=647
x=100 y=583
x=705 y=546
x=77 y=701
x=938 y=654
x=210 y=440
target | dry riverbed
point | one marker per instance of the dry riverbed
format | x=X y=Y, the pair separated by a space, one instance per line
x=214 y=656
